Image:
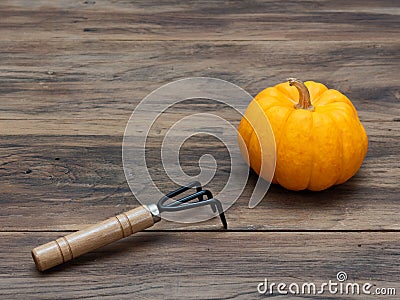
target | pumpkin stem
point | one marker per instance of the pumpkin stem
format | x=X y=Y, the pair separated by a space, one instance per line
x=304 y=94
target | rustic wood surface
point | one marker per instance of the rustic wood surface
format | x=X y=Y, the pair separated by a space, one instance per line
x=71 y=72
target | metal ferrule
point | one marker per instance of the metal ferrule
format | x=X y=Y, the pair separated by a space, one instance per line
x=154 y=211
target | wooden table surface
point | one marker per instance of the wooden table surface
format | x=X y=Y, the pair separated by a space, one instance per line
x=71 y=73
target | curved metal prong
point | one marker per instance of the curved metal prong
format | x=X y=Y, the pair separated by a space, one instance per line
x=210 y=202
x=180 y=190
x=184 y=202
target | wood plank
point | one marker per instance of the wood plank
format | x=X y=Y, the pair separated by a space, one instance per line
x=201 y=20
x=80 y=180
x=92 y=80
x=211 y=265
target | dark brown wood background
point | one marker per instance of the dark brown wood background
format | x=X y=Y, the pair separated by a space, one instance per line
x=71 y=72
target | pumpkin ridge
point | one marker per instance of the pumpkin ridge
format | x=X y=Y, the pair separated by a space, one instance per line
x=288 y=114
x=271 y=94
x=286 y=102
x=349 y=124
x=321 y=96
x=248 y=151
x=264 y=103
x=285 y=96
x=312 y=154
x=278 y=142
x=342 y=99
x=351 y=105
x=333 y=107
x=247 y=142
x=317 y=98
x=285 y=92
x=342 y=148
x=245 y=139
x=311 y=83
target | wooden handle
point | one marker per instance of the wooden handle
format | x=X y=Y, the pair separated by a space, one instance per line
x=75 y=244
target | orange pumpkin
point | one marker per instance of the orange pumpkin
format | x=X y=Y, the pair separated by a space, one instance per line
x=319 y=138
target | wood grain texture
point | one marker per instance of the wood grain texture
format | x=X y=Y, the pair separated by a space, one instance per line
x=86 y=84
x=78 y=114
x=199 y=20
x=80 y=181
x=207 y=265
x=71 y=72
